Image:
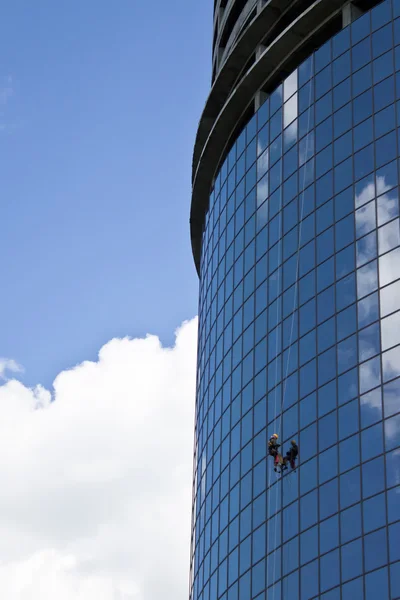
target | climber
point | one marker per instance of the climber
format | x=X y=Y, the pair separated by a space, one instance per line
x=273 y=450
x=291 y=455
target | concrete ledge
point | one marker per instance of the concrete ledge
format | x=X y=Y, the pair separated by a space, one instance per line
x=218 y=120
x=218 y=60
x=248 y=8
x=246 y=45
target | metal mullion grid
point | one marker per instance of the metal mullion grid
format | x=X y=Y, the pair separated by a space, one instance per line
x=317 y=396
x=358 y=378
x=316 y=353
x=336 y=344
x=279 y=333
x=357 y=349
x=296 y=305
x=269 y=485
x=311 y=106
x=380 y=318
x=317 y=432
x=316 y=356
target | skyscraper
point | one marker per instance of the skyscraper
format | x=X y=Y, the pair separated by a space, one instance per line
x=296 y=239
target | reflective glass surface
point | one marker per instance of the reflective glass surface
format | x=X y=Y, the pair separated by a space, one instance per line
x=299 y=334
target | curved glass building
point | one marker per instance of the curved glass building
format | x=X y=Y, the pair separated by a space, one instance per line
x=296 y=239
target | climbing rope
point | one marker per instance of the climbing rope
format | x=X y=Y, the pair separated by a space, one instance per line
x=284 y=383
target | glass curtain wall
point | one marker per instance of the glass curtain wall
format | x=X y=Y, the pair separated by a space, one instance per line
x=299 y=334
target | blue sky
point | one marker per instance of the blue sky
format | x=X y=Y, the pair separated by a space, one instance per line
x=98 y=113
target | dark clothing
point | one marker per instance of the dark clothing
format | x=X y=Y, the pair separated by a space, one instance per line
x=273 y=448
x=291 y=455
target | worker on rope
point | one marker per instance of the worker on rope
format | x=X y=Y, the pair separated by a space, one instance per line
x=291 y=456
x=273 y=450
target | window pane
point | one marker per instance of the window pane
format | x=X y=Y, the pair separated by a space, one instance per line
x=351 y=523
x=391 y=395
x=375 y=549
x=351 y=560
x=374 y=513
x=376 y=584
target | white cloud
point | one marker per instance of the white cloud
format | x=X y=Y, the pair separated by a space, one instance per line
x=96 y=485
x=367 y=282
x=7 y=364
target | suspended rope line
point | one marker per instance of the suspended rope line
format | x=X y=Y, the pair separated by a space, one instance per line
x=284 y=383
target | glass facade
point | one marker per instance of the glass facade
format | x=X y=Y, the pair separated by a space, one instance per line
x=299 y=334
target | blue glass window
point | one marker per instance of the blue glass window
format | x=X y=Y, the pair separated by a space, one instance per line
x=322 y=56
x=345 y=262
x=327 y=429
x=373 y=477
x=381 y=14
x=394 y=537
x=350 y=488
x=375 y=549
x=325 y=245
x=385 y=121
x=361 y=54
x=307 y=229
x=306 y=258
x=341 y=94
x=352 y=560
x=323 y=80
x=308 y=476
x=327 y=398
x=343 y=175
x=395 y=579
x=342 y=120
x=346 y=322
x=326 y=304
x=347 y=386
x=324 y=189
x=308 y=510
x=343 y=147
x=329 y=534
x=308 y=410
x=330 y=570
x=362 y=80
x=308 y=347
x=323 y=134
x=376 y=583
x=309 y=580
x=350 y=523
x=341 y=68
x=353 y=589
x=363 y=135
x=384 y=94
x=374 y=513
x=364 y=162
x=349 y=453
x=308 y=443
x=328 y=466
x=386 y=149
x=382 y=67
x=341 y=42
x=381 y=41
x=362 y=107
x=348 y=420
x=308 y=545
x=328 y=499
